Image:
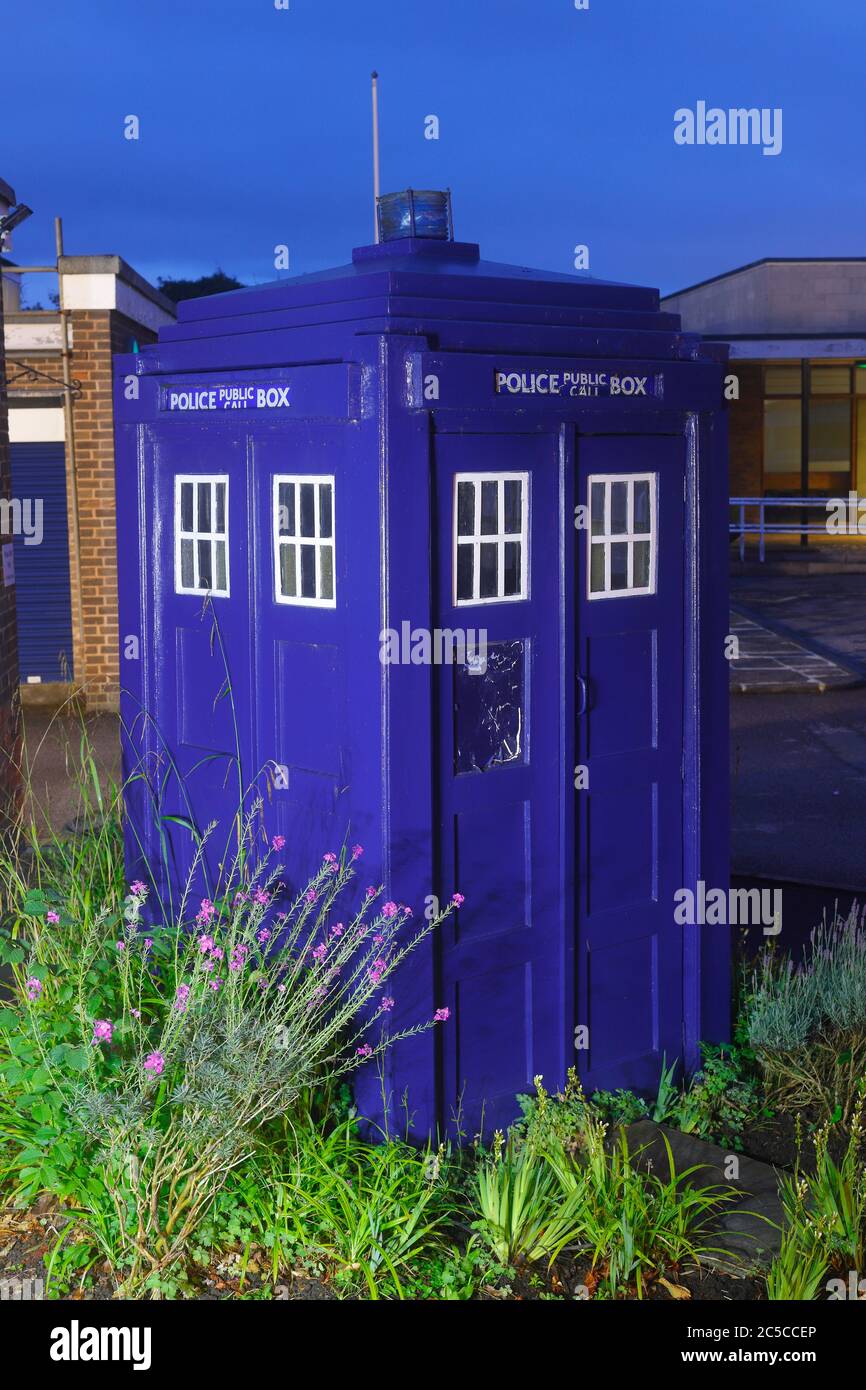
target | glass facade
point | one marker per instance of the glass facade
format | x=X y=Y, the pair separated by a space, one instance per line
x=835 y=422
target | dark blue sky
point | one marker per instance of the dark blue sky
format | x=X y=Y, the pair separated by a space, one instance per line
x=556 y=129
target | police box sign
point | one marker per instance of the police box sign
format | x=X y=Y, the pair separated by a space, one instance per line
x=258 y=395
x=576 y=383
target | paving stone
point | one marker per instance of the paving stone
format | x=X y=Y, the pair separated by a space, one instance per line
x=771 y=662
x=749 y=1232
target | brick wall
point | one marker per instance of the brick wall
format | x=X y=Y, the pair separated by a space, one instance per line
x=10 y=724
x=95 y=335
x=746 y=431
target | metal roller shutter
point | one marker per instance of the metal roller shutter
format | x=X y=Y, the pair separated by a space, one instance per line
x=42 y=571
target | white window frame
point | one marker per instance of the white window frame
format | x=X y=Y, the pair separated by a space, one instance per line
x=476 y=539
x=316 y=540
x=629 y=536
x=195 y=535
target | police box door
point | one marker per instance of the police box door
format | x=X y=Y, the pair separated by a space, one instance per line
x=500 y=774
x=629 y=702
x=200 y=667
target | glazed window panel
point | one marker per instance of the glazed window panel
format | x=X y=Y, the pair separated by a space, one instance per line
x=304 y=540
x=201 y=561
x=622 y=540
x=490 y=563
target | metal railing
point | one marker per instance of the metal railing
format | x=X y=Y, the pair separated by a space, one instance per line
x=762 y=528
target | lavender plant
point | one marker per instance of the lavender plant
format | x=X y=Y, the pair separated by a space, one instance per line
x=807 y=1024
x=219 y=1031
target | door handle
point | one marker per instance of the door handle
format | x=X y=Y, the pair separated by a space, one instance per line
x=583 y=696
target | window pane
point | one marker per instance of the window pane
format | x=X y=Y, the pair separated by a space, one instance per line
x=641 y=522
x=597 y=510
x=835 y=381
x=204 y=516
x=487 y=585
x=489 y=509
x=783 y=381
x=619 y=565
x=286 y=505
x=860 y=380
x=618 y=508
x=511 y=581
x=186 y=495
x=308 y=512
x=205 y=575
x=781 y=436
x=596 y=569
x=829 y=436
x=324 y=509
x=464 y=571
x=641 y=563
x=465 y=509
x=308 y=567
x=220 y=490
x=513 y=510
x=288 y=576
x=489 y=718
x=187 y=572
x=220 y=548
x=326 y=563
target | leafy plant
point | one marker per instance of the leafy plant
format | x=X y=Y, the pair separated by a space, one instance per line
x=807 y=1024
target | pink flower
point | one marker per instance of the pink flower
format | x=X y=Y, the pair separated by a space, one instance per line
x=136 y=1013
x=148 y=943
x=310 y=895
x=155 y=1062
x=389 y=910
x=206 y=911
x=205 y=944
x=263 y=936
x=217 y=953
x=458 y=899
x=378 y=939
x=120 y=945
x=138 y=889
x=337 y=929
x=407 y=911
x=278 y=842
x=376 y=971
x=215 y=984
x=386 y=1003
x=262 y=897
x=441 y=1015
x=371 y=892
x=33 y=987
x=208 y=965
x=52 y=917
x=240 y=898
x=180 y=998
x=365 y=1050
x=329 y=858
x=319 y=952
x=102 y=1031
x=357 y=851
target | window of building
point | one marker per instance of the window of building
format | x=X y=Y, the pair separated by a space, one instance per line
x=490 y=537
x=834 y=427
x=304 y=571
x=622 y=534
x=201 y=530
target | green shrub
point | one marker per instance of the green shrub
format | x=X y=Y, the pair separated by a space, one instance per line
x=807 y=1025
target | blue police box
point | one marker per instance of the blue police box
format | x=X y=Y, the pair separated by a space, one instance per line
x=462 y=527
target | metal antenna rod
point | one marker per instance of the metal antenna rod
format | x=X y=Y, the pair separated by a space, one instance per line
x=375 y=78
